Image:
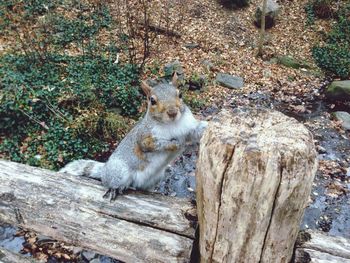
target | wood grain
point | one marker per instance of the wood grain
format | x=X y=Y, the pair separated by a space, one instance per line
x=137 y=227
x=254 y=175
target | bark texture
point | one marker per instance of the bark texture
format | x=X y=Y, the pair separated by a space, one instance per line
x=254 y=175
x=136 y=227
x=319 y=247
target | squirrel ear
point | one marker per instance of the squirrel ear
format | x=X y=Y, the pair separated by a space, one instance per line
x=174 y=80
x=146 y=88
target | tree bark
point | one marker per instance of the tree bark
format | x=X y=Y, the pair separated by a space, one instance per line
x=254 y=175
x=136 y=227
x=318 y=247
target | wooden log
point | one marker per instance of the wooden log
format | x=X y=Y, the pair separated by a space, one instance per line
x=7 y=256
x=254 y=175
x=319 y=247
x=136 y=227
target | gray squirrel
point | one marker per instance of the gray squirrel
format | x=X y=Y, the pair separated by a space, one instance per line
x=140 y=160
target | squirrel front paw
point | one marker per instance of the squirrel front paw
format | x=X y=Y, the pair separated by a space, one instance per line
x=202 y=126
x=195 y=136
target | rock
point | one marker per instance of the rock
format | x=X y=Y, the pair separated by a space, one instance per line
x=338 y=90
x=151 y=82
x=41 y=240
x=291 y=62
x=344 y=117
x=321 y=149
x=88 y=255
x=77 y=250
x=208 y=64
x=172 y=67
x=229 y=81
x=272 y=10
x=191 y=45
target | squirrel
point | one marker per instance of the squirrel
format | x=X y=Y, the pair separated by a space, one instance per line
x=140 y=159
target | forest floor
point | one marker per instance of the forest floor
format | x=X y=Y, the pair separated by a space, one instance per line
x=228 y=40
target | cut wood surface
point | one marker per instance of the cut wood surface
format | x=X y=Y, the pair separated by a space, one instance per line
x=319 y=247
x=137 y=227
x=7 y=256
x=254 y=175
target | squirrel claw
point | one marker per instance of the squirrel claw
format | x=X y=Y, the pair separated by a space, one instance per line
x=112 y=193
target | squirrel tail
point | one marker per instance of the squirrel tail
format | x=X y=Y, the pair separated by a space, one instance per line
x=89 y=168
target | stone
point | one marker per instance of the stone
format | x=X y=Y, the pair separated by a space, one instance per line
x=208 y=64
x=171 y=68
x=338 y=90
x=272 y=10
x=191 y=45
x=152 y=82
x=321 y=149
x=229 y=81
x=291 y=62
x=344 y=117
x=88 y=255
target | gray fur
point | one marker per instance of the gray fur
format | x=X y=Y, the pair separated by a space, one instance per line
x=133 y=164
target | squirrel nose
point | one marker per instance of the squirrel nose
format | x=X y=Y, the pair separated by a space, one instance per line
x=172 y=113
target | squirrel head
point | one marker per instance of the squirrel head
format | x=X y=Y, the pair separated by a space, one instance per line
x=165 y=103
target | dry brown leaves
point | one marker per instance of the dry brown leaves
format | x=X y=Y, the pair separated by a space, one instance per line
x=46 y=248
x=228 y=39
x=330 y=168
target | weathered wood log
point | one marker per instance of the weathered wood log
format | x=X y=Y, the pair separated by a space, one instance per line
x=7 y=256
x=254 y=175
x=318 y=247
x=136 y=227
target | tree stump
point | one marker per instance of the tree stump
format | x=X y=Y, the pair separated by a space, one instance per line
x=254 y=175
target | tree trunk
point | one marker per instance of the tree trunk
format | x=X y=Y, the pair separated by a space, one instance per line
x=262 y=29
x=136 y=227
x=254 y=175
x=318 y=247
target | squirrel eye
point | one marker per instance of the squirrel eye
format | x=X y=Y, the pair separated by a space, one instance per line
x=153 y=101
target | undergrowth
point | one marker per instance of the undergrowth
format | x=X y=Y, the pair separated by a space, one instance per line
x=62 y=96
x=333 y=55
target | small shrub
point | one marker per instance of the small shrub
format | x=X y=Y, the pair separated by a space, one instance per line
x=322 y=8
x=234 y=3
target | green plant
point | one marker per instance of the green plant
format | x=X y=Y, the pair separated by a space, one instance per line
x=310 y=15
x=57 y=105
x=193 y=101
x=334 y=56
x=43 y=105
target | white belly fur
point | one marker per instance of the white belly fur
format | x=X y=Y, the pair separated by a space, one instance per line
x=154 y=171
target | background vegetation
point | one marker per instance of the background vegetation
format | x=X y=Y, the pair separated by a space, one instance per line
x=63 y=96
